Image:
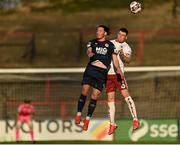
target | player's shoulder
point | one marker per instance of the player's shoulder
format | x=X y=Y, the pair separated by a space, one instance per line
x=126 y=44
x=126 y=48
x=113 y=41
x=110 y=43
x=21 y=105
x=92 y=40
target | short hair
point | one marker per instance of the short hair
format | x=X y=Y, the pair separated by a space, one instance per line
x=27 y=101
x=106 y=29
x=124 y=30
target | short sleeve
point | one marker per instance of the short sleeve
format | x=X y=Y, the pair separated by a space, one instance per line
x=128 y=50
x=113 y=49
x=89 y=44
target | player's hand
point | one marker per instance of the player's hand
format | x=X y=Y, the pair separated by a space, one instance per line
x=120 y=75
x=121 y=80
x=122 y=55
x=90 y=54
x=120 y=52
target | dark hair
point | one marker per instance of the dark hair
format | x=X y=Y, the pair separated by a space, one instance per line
x=106 y=29
x=124 y=30
x=27 y=101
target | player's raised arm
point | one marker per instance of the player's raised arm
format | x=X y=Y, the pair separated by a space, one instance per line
x=89 y=50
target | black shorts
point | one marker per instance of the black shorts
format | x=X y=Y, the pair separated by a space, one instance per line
x=95 y=77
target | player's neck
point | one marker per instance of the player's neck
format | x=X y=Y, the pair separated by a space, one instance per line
x=101 y=39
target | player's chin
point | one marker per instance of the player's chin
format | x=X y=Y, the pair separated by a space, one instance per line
x=99 y=37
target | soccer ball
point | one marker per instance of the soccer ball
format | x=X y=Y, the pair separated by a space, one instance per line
x=135 y=7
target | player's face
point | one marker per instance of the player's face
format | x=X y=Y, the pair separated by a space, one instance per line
x=121 y=36
x=100 y=33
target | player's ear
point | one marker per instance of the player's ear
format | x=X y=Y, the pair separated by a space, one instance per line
x=126 y=37
x=105 y=33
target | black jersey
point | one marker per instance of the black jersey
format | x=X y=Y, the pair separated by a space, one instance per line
x=102 y=50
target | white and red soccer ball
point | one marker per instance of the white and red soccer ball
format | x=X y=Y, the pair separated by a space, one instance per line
x=135 y=7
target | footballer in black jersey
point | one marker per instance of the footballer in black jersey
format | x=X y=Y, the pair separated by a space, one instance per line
x=100 y=51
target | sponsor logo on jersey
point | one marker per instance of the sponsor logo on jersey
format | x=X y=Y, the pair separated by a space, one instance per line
x=101 y=50
x=106 y=45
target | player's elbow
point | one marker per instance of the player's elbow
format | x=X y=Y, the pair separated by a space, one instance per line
x=127 y=60
x=89 y=53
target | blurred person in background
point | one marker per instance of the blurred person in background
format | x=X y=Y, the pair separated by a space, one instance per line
x=114 y=82
x=25 y=115
x=9 y=4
